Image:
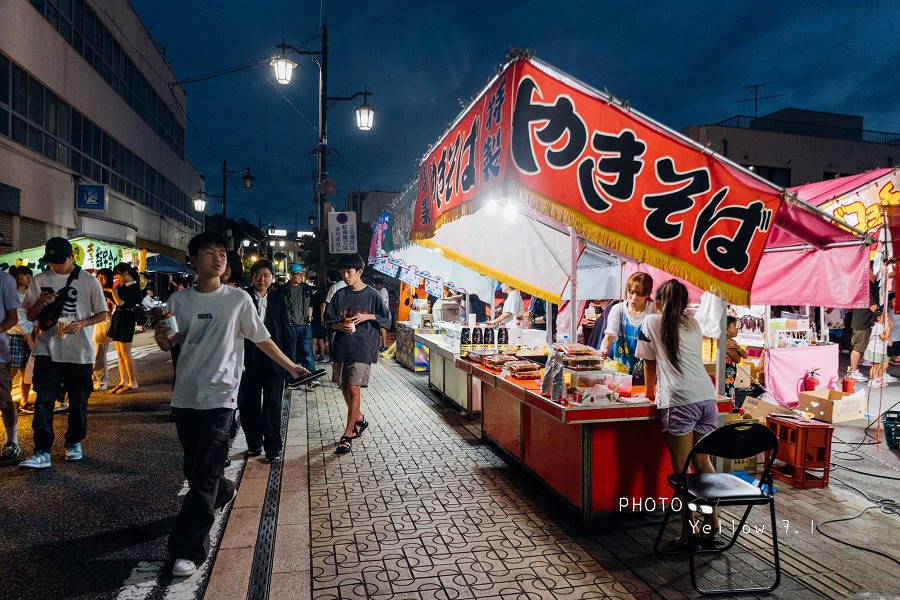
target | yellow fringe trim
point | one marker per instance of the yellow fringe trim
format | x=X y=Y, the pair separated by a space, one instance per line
x=618 y=242
x=469 y=262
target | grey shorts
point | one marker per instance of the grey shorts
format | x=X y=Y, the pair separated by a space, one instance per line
x=345 y=374
x=701 y=417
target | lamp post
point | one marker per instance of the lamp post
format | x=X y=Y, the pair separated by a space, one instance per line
x=365 y=116
x=248 y=180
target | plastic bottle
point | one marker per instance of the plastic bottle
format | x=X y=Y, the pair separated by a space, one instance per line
x=502 y=338
x=477 y=338
x=465 y=341
x=488 y=338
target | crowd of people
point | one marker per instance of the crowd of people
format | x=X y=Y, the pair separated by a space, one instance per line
x=234 y=349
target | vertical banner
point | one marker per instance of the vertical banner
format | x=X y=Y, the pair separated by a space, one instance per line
x=342 y=232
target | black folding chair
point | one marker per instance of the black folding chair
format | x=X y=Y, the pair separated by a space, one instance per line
x=705 y=491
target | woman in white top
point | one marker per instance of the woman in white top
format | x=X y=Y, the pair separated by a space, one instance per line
x=513 y=307
x=623 y=326
x=672 y=348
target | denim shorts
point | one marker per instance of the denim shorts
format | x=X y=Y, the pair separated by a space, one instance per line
x=701 y=417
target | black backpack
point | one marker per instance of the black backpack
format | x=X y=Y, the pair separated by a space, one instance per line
x=51 y=312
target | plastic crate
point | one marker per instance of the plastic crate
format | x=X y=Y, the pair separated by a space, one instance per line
x=802 y=445
x=890 y=420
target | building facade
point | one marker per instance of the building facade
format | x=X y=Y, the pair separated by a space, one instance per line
x=793 y=147
x=86 y=98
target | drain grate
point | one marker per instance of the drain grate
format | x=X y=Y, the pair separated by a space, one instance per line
x=264 y=553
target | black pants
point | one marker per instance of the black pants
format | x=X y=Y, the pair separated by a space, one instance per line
x=76 y=380
x=260 y=406
x=204 y=436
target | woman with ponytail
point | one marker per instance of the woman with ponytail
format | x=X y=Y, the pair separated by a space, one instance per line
x=671 y=345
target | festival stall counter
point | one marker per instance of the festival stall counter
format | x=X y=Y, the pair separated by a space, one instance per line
x=598 y=459
x=443 y=374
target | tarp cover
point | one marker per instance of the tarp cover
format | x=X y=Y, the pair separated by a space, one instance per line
x=623 y=181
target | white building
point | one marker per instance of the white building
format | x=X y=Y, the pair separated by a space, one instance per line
x=85 y=98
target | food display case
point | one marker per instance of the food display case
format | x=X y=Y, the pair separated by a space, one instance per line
x=599 y=458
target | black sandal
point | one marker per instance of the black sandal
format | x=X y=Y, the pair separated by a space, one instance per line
x=345 y=445
x=359 y=427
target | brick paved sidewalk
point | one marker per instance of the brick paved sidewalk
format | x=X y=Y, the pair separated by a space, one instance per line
x=423 y=509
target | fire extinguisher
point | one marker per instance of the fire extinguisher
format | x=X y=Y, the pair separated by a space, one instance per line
x=847 y=383
x=810 y=381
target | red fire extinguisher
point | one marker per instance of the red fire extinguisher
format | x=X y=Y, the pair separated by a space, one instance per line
x=847 y=383
x=810 y=381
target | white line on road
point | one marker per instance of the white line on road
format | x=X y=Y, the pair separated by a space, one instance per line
x=146 y=576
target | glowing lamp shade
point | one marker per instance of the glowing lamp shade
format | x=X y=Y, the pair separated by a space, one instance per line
x=284 y=68
x=199 y=204
x=365 y=116
x=248 y=179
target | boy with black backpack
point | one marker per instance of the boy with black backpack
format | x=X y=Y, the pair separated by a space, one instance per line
x=67 y=304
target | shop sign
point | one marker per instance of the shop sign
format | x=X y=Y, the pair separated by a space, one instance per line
x=93 y=197
x=861 y=208
x=342 y=232
x=88 y=253
x=616 y=177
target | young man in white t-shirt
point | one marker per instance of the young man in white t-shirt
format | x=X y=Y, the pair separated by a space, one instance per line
x=64 y=353
x=213 y=320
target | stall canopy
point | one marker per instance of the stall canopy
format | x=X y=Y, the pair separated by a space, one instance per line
x=564 y=155
x=855 y=200
x=162 y=264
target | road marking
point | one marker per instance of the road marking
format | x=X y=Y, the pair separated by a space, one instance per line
x=142 y=581
x=147 y=576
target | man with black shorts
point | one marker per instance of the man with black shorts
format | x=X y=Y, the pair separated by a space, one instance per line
x=356 y=314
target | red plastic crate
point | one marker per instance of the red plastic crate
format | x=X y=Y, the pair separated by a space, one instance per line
x=802 y=445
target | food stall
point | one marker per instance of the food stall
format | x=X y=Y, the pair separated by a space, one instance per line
x=598 y=458
x=554 y=157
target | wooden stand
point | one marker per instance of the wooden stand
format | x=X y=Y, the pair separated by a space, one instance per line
x=802 y=445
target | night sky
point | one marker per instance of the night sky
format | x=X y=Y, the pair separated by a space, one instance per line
x=680 y=63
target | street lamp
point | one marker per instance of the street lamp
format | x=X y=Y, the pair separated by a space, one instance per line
x=365 y=116
x=311 y=218
x=248 y=180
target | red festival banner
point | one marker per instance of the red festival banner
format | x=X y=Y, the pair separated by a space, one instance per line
x=621 y=180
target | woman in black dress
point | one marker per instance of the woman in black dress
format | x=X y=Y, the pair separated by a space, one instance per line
x=127 y=296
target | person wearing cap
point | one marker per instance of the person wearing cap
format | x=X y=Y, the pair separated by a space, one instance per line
x=64 y=353
x=300 y=306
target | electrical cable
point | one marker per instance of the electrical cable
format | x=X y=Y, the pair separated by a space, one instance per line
x=837 y=466
x=840 y=541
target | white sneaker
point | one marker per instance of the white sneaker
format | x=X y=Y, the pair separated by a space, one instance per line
x=38 y=460
x=857 y=376
x=184 y=567
x=877 y=383
x=888 y=378
x=73 y=452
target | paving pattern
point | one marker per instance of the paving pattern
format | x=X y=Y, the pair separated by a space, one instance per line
x=423 y=509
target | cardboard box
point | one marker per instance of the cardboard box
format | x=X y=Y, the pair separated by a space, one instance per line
x=742 y=378
x=741 y=464
x=757 y=408
x=833 y=406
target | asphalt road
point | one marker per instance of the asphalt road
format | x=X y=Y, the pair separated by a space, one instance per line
x=82 y=530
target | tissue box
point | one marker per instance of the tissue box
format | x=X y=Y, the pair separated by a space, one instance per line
x=832 y=406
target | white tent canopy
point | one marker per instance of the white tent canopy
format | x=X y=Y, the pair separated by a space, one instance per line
x=529 y=254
